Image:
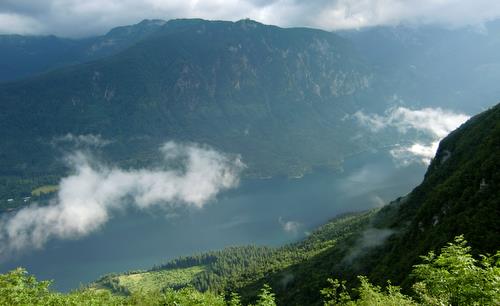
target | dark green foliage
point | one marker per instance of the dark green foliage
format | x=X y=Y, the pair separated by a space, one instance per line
x=368 y=295
x=459 y=195
x=287 y=269
x=452 y=199
x=299 y=283
x=235 y=300
x=266 y=297
x=454 y=277
x=250 y=267
x=19 y=288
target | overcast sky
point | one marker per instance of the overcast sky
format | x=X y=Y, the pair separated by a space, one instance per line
x=77 y=18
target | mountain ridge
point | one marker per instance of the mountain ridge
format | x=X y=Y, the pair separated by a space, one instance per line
x=25 y=56
x=276 y=96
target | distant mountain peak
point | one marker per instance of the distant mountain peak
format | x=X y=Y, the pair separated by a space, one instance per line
x=155 y=22
x=144 y=25
x=249 y=21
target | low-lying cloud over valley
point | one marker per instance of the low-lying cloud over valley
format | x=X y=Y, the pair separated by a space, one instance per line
x=290 y=226
x=432 y=125
x=90 y=196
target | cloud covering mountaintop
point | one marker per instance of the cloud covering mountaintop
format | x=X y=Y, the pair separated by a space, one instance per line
x=77 y=18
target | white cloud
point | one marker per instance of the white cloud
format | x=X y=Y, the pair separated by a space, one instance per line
x=371 y=237
x=90 y=17
x=374 y=122
x=290 y=226
x=83 y=140
x=87 y=199
x=418 y=152
x=348 y=14
x=19 y=24
x=377 y=201
x=434 y=123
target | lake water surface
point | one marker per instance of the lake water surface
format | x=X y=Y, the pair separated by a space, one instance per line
x=263 y=212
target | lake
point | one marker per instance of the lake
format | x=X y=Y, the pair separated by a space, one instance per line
x=263 y=212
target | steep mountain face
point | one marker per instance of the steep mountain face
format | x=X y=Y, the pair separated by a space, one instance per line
x=419 y=66
x=459 y=195
x=432 y=65
x=246 y=268
x=276 y=96
x=25 y=56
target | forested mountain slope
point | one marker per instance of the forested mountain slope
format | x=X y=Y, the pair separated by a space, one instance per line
x=459 y=195
x=26 y=56
x=282 y=98
x=276 y=96
x=246 y=269
x=431 y=65
x=426 y=65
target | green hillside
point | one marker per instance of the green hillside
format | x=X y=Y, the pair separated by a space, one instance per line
x=276 y=96
x=452 y=277
x=459 y=195
x=27 y=56
x=279 y=97
x=457 y=201
x=452 y=200
x=238 y=267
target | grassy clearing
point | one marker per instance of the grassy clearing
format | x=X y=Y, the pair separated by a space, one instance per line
x=157 y=280
x=44 y=190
